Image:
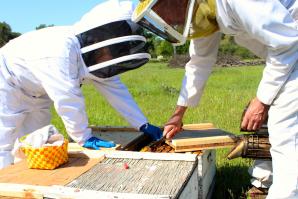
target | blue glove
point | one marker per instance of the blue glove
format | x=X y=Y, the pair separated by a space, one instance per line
x=153 y=131
x=95 y=143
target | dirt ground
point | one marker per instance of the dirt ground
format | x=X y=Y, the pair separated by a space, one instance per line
x=179 y=61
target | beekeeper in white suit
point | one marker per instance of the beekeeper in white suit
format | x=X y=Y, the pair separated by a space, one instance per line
x=267 y=28
x=49 y=65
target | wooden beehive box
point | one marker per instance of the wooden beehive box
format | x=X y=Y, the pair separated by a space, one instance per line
x=147 y=175
x=129 y=139
x=94 y=174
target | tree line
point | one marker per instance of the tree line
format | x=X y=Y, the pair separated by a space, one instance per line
x=7 y=34
x=155 y=45
x=159 y=47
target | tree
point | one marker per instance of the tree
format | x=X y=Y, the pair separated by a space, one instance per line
x=163 y=48
x=41 y=26
x=183 y=49
x=229 y=47
x=150 y=39
x=6 y=34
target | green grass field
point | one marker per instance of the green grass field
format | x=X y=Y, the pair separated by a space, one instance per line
x=155 y=88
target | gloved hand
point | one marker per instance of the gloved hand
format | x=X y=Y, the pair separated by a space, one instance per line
x=153 y=131
x=95 y=143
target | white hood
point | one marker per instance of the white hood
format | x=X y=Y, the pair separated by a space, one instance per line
x=112 y=10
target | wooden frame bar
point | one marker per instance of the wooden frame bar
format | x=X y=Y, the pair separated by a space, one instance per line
x=40 y=192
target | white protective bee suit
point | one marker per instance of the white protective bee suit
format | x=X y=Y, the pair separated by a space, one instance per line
x=45 y=67
x=269 y=29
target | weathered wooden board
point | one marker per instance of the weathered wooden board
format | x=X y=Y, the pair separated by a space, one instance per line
x=191 y=189
x=121 y=136
x=41 y=192
x=206 y=173
x=21 y=174
x=155 y=177
x=192 y=140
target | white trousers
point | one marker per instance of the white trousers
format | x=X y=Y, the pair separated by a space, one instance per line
x=283 y=135
x=261 y=173
x=20 y=114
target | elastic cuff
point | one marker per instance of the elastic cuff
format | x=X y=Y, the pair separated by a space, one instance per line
x=179 y=103
x=81 y=137
x=139 y=125
x=264 y=98
x=258 y=184
x=143 y=126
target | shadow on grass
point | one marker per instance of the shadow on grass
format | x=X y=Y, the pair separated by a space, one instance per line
x=231 y=182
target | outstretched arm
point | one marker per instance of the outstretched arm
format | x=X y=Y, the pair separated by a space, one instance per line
x=278 y=32
x=121 y=100
x=119 y=97
x=59 y=77
x=203 y=53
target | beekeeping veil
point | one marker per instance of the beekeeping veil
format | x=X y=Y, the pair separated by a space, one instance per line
x=110 y=43
x=170 y=19
x=177 y=20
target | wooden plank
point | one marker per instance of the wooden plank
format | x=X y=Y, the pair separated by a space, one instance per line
x=133 y=155
x=21 y=174
x=202 y=146
x=207 y=180
x=206 y=173
x=204 y=136
x=19 y=191
x=192 y=140
x=200 y=126
x=209 y=139
x=191 y=190
x=205 y=161
x=33 y=191
x=91 y=154
x=76 y=151
x=211 y=189
x=150 y=155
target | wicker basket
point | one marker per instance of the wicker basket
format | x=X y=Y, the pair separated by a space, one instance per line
x=47 y=157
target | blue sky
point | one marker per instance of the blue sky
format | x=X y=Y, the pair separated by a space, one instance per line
x=25 y=15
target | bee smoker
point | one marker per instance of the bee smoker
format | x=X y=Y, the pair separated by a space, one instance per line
x=255 y=145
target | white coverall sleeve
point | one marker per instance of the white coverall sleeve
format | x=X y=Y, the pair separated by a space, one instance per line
x=121 y=100
x=61 y=82
x=270 y=23
x=203 y=55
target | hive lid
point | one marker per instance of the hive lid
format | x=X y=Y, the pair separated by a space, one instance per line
x=201 y=136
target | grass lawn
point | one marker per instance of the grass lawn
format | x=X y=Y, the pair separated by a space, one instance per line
x=155 y=88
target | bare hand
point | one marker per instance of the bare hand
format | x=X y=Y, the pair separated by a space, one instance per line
x=174 y=125
x=255 y=115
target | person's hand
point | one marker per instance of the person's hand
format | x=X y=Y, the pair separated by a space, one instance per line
x=153 y=131
x=96 y=143
x=255 y=115
x=174 y=125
